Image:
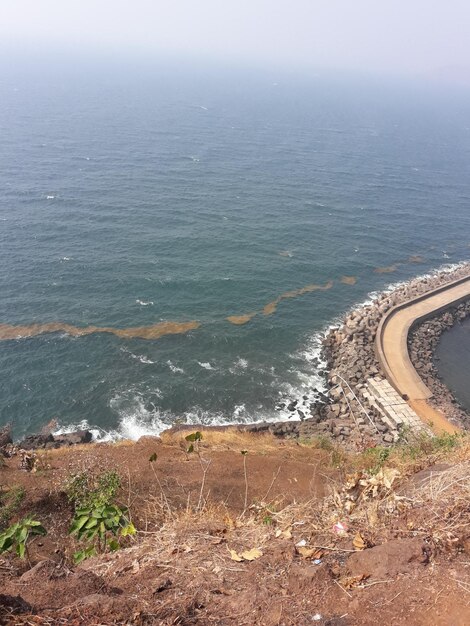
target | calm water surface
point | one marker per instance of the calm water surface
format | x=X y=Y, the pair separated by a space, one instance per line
x=131 y=200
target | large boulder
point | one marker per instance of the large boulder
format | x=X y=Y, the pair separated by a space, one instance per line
x=70 y=439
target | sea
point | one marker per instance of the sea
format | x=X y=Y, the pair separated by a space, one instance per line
x=175 y=239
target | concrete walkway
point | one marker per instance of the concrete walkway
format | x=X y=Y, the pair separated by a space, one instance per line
x=392 y=349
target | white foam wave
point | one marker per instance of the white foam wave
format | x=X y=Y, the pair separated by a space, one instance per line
x=50 y=197
x=136 y=419
x=98 y=434
x=206 y=366
x=143 y=303
x=174 y=368
x=139 y=357
x=66 y=258
x=238 y=366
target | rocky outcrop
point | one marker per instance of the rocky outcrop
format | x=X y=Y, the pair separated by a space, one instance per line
x=34 y=442
x=5 y=436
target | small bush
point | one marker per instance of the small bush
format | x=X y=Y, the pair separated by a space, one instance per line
x=99 y=525
x=88 y=490
x=17 y=536
x=377 y=457
x=424 y=445
x=97 y=519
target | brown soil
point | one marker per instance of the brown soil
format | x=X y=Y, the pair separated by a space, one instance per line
x=411 y=568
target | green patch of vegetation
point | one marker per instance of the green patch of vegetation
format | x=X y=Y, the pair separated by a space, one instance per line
x=424 y=445
x=97 y=520
x=10 y=502
x=17 y=536
x=91 y=490
x=376 y=457
x=324 y=443
x=101 y=526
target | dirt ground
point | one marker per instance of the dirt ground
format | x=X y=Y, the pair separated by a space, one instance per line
x=401 y=554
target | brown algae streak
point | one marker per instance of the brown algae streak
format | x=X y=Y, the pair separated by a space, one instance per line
x=155 y=331
x=271 y=307
x=238 y=320
x=387 y=270
x=349 y=280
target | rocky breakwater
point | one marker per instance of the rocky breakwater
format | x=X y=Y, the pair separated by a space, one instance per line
x=422 y=344
x=350 y=412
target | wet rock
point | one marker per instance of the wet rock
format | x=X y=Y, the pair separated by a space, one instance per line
x=70 y=439
x=5 y=435
x=33 y=442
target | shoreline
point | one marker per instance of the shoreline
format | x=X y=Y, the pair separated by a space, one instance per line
x=347 y=410
x=351 y=413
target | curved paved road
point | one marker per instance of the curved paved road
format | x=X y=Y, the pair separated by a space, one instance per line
x=392 y=349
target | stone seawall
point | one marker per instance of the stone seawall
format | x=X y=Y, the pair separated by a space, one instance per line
x=422 y=344
x=361 y=408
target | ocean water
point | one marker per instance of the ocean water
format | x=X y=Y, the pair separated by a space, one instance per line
x=166 y=201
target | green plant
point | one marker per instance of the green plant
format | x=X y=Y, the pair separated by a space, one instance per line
x=101 y=525
x=97 y=519
x=378 y=457
x=193 y=439
x=424 y=445
x=10 y=501
x=17 y=536
x=324 y=443
x=88 y=489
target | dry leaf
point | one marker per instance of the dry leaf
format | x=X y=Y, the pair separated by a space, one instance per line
x=352 y=581
x=235 y=556
x=359 y=543
x=286 y=534
x=307 y=553
x=310 y=553
x=251 y=555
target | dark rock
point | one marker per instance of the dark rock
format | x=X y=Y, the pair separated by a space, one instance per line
x=35 y=441
x=5 y=435
x=260 y=427
x=70 y=439
x=13 y=604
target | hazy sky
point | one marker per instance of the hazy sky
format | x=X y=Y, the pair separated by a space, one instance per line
x=411 y=36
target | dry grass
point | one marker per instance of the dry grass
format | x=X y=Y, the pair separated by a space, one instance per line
x=226 y=439
x=441 y=504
